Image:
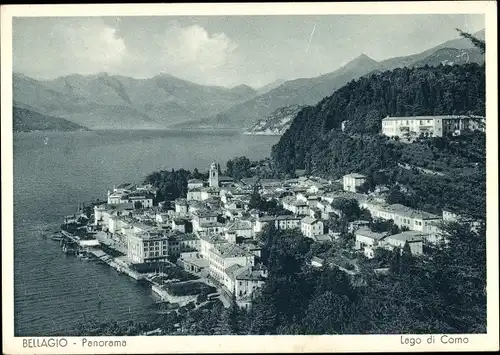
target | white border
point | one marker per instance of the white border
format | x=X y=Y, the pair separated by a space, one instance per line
x=241 y=344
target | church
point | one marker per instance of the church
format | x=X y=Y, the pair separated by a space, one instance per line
x=199 y=190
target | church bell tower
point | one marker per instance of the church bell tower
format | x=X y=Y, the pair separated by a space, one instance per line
x=213 y=178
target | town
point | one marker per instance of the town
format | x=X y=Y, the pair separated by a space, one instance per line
x=209 y=239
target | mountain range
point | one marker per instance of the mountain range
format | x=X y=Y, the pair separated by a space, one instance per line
x=103 y=101
x=311 y=90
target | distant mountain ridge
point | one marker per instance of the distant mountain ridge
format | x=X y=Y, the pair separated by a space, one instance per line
x=26 y=120
x=106 y=101
x=309 y=91
x=103 y=101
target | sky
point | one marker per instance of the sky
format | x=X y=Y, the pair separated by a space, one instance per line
x=222 y=50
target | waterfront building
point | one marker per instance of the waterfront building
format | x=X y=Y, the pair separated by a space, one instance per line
x=182 y=243
x=147 y=247
x=351 y=182
x=430 y=126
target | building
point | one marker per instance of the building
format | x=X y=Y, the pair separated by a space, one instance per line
x=366 y=238
x=224 y=255
x=355 y=225
x=213 y=177
x=404 y=216
x=203 y=218
x=179 y=225
x=195 y=183
x=181 y=206
x=429 y=126
x=147 y=247
x=247 y=282
x=194 y=194
x=311 y=227
x=297 y=207
x=352 y=182
x=182 y=243
x=280 y=222
x=415 y=240
x=240 y=229
x=317 y=262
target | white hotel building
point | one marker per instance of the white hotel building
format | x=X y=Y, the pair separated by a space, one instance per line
x=431 y=126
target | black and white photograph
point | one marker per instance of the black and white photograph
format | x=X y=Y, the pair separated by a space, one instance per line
x=178 y=174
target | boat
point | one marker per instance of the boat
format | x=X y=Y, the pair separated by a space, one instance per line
x=56 y=237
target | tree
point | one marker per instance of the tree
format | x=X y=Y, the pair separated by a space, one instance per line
x=479 y=43
x=406 y=259
x=137 y=205
x=349 y=208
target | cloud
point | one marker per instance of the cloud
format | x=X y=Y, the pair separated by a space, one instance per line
x=193 y=46
x=92 y=46
x=74 y=46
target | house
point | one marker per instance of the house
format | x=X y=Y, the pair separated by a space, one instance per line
x=203 y=217
x=179 y=225
x=280 y=222
x=161 y=217
x=195 y=183
x=181 y=206
x=352 y=182
x=311 y=227
x=248 y=282
x=297 y=207
x=241 y=229
x=317 y=262
x=194 y=194
x=243 y=281
x=222 y=256
x=365 y=237
x=355 y=225
x=414 y=238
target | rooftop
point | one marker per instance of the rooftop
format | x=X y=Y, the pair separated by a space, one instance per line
x=408 y=236
x=228 y=250
x=355 y=176
x=365 y=232
x=309 y=220
x=427 y=117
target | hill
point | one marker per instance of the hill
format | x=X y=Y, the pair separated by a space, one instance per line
x=110 y=101
x=308 y=91
x=316 y=143
x=276 y=123
x=25 y=120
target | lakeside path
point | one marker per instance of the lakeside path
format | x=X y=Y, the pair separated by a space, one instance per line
x=224 y=296
x=103 y=238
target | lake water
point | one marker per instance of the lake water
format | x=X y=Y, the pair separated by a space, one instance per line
x=53 y=172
